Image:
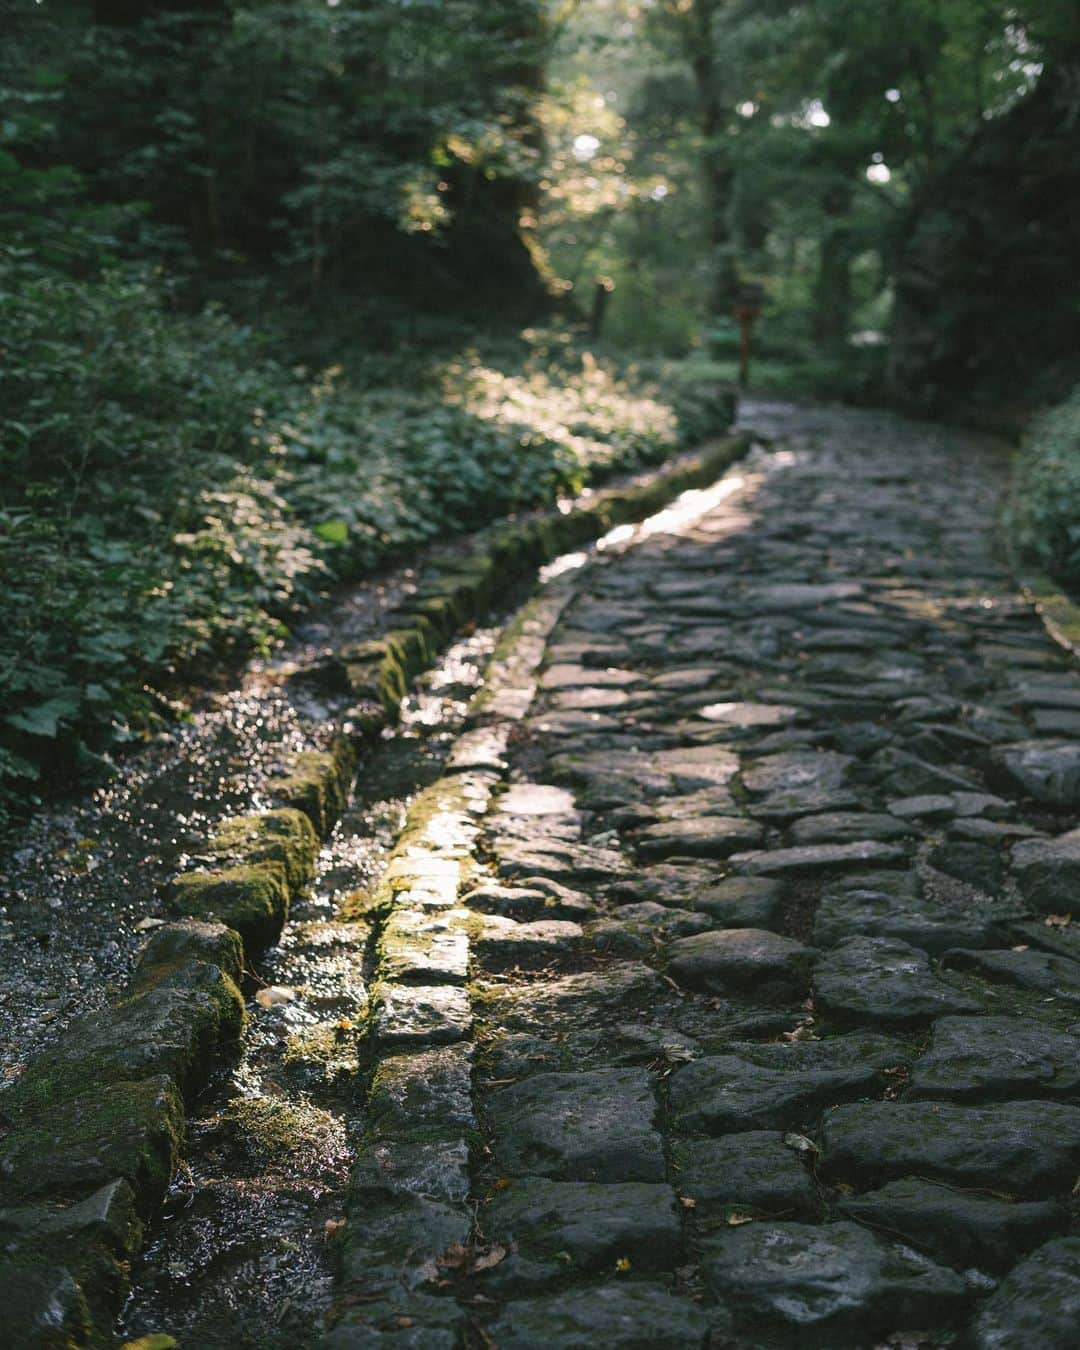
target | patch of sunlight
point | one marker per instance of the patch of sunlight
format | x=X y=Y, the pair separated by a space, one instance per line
x=585 y=146
x=569 y=562
x=878 y=173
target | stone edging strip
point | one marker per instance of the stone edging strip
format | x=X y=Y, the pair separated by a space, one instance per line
x=408 y=1201
x=90 y=1134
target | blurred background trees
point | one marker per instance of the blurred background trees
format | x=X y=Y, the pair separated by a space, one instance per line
x=289 y=286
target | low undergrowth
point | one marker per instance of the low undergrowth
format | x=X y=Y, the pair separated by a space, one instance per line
x=1045 y=512
x=172 y=490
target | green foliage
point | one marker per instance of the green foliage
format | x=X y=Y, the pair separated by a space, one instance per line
x=171 y=490
x=1045 y=514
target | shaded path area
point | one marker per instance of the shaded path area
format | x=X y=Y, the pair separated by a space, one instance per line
x=727 y=991
x=703 y=973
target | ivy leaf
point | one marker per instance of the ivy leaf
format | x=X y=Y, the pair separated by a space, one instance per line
x=45 y=718
x=333 y=531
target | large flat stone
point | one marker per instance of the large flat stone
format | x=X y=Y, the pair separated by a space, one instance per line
x=775 y=969
x=592 y=1126
x=884 y=982
x=753 y=1172
x=874 y=911
x=781 y=862
x=838 y=1280
x=847 y=827
x=634 y=1316
x=1048 y=770
x=1039 y=972
x=409 y=1014
x=820 y=769
x=961 y=1228
x=1048 y=872
x=974 y=1059
x=592 y=1223
x=1027 y=1149
x=742 y=902
x=703 y=837
x=779 y=1086
x=1037 y=1306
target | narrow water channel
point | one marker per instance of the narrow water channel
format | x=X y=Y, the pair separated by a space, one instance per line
x=241 y=1255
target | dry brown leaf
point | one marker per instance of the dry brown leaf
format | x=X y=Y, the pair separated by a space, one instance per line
x=734 y=1220
x=1058 y=920
x=490 y=1258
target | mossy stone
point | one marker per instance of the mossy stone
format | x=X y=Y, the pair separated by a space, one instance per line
x=128 y=1130
x=254 y=900
x=319 y=784
x=193 y=940
x=284 y=836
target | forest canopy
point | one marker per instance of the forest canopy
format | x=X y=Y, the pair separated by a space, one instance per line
x=289 y=286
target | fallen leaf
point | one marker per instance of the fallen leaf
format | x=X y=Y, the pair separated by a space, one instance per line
x=622 y=1265
x=332 y=1227
x=490 y=1258
x=143 y=926
x=735 y=1220
x=1020 y=947
x=1058 y=920
x=157 y=1340
x=800 y=1143
x=274 y=994
x=687 y=1202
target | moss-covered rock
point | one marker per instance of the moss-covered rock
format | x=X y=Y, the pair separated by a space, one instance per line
x=319 y=784
x=131 y=1130
x=285 y=836
x=192 y=940
x=254 y=900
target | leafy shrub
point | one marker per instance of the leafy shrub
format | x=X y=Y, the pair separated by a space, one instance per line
x=169 y=489
x=1045 y=514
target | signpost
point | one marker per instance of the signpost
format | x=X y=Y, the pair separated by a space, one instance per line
x=749 y=298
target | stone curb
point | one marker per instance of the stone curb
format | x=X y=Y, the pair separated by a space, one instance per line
x=108 y=1105
x=408 y=1201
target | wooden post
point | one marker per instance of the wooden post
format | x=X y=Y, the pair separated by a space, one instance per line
x=748 y=301
x=601 y=296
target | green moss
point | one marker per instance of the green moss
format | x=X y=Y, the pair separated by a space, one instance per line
x=284 y=836
x=254 y=900
x=192 y=940
x=319 y=784
x=129 y=1130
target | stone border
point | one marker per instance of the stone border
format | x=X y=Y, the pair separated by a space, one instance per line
x=408 y=1200
x=91 y=1132
x=1059 y=614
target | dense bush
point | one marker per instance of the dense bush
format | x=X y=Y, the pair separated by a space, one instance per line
x=1045 y=514
x=170 y=489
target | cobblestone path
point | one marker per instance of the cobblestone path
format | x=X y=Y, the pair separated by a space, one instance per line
x=728 y=994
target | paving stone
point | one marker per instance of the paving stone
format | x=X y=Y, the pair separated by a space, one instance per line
x=591 y=999
x=566 y=676
x=960 y=1228
x=754 y=1173
x=502 y=944
x=845 y=827
x=817 y=858
x=405 y=1014
x=821 y=770
x=592 y=1223
x=746 y=716
x=1048 y=770
x=424 y=947
x=908 y=775
x=742 y=902
x=873 y=911
x=391 y=1168
x=1048 y=872
x=979 y=1059
x=703 y=837
x=731 y=960
x=1047 y=973
x=1037 y=1306
x=626 y=1316
x=1027 y=1149
x=885 y=982
x=591 y=1126
x=836 y=1281
x=780 y=1086
x=428 y=1090
x=565 y=862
